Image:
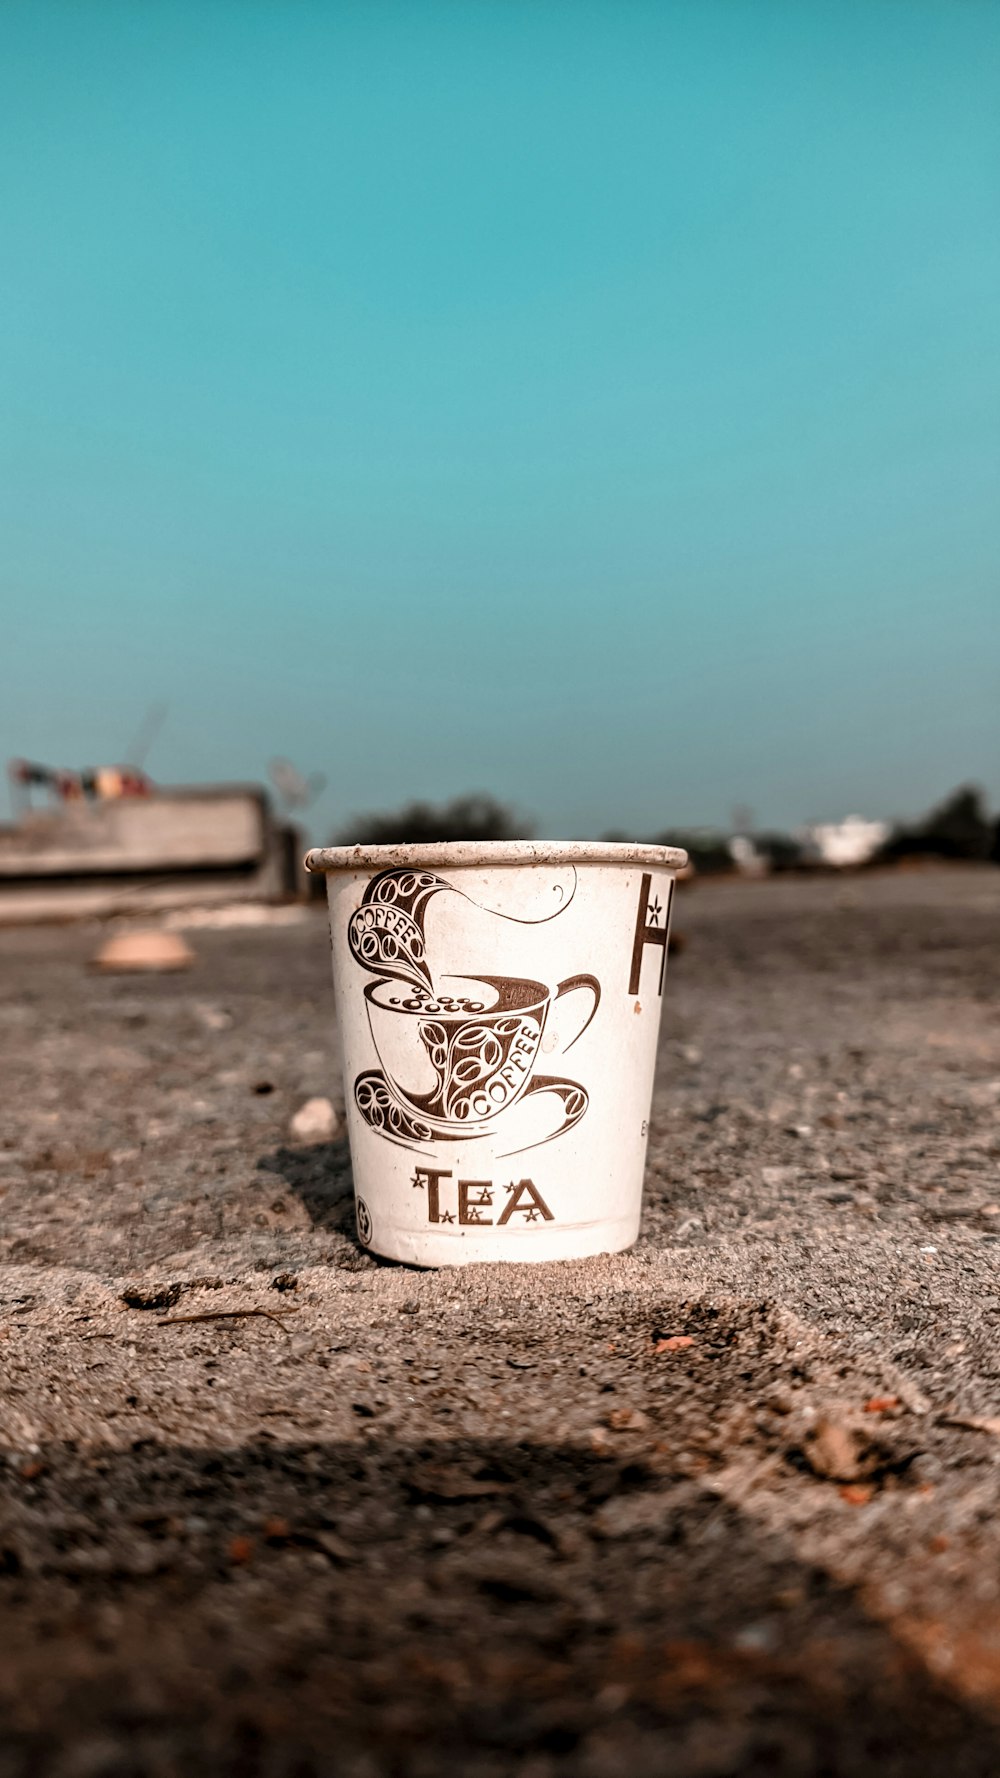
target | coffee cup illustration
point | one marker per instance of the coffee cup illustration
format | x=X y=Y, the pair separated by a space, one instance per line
x=456 y=1051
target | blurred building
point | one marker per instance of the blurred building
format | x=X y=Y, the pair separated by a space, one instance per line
x=844 y=844
x=747 y=857
x=104 y=854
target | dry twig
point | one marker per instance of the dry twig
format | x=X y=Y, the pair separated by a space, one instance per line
x=229 y=1315
x=973 y=1423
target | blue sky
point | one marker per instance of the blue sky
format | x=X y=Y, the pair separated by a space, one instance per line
x=596 y=404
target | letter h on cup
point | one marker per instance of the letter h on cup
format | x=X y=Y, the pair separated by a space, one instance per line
x=648 y=930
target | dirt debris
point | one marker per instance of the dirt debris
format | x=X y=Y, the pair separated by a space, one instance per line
x=710 y=1502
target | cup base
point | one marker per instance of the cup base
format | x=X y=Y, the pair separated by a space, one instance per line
x=435 y=1248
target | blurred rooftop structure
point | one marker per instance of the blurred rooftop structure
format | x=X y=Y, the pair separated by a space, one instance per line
x=846 y=844
x=162 y=848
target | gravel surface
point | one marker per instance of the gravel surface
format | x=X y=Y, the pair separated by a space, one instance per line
x=725 y=1504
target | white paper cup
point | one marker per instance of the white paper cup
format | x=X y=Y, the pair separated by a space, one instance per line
x=498 y=1009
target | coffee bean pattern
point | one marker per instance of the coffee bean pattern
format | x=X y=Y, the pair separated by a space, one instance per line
x=444 y=1003
x=381 y=1111
x=480 y=1067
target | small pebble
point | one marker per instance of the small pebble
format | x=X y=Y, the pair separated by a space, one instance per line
x=154 y=951
x=758 y=1638
x=778 y=1176
x=627 y=1419
x=835 y=1451
x=315 y=1121
x=214 y=1018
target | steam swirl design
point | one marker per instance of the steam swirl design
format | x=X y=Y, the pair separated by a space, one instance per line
x=386 y=933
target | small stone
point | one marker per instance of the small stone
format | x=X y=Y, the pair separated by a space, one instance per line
x=214 y=1018
x=315 y=1121
x=627 y=1419
x=688 y=1227
x=756 y=1639
x=631 y=1515
x=126 y=952
x=151 y=1296
x=331 y=1546
x=778 y=1176
x=600 y=1441
x=609 y=1699
x=834 y=1451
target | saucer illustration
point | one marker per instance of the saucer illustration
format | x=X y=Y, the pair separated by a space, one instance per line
x=457 y=1052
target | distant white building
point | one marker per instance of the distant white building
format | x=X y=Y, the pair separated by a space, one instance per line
x=842 y=844
x=747 y=859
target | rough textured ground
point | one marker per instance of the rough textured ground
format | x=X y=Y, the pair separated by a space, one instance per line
x=727 y=1504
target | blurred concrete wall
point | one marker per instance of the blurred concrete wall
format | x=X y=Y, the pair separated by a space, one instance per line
x=176 y=847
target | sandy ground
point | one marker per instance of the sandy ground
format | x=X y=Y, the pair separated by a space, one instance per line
x=726 y=1504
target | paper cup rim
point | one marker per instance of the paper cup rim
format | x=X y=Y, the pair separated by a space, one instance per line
x=491 y=854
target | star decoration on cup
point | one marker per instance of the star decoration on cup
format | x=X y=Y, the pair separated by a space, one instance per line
x=417 y=1182
x=654 y=911
x=447 y=1216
